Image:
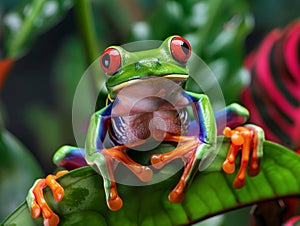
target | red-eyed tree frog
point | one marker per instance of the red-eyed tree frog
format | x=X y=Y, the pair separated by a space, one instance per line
x=147 y=102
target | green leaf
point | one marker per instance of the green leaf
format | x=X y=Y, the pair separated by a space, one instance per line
x=210 y=193
x=23 y=24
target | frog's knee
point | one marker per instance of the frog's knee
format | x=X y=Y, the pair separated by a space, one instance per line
x=69 y=157
x=238 y=110
x=236 y=115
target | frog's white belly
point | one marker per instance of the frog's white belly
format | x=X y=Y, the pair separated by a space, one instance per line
x=148 y=108
x=142 y=126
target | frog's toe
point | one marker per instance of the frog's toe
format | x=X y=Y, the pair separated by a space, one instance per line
x=53 y=220
x=57 y=190
x=35 y=210
x=229 y=163
x=157 y=161
x=145 y=174
x=115 y=204
x=177 y=194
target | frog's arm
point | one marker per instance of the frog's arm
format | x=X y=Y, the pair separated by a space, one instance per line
x=98 y=128
x=104 y=160
x=205 y=118
x=94 y=153
x=248 y=139
x=194 y=149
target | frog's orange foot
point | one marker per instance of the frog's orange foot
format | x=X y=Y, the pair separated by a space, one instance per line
x=185 y=151
x=116 y=155
x=247 y=139
x=36 y=200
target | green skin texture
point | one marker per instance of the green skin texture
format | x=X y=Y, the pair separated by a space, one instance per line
x=131 y=70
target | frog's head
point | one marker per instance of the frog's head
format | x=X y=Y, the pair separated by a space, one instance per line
x=126 y=68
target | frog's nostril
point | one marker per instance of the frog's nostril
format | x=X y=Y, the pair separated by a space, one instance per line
x=156 y=62
x=137 y=66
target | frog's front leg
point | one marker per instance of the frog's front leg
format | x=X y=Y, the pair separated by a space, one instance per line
x=67 y=157
x=104 y=160
x=247 y=139
x=36 y=200
x=191 y=149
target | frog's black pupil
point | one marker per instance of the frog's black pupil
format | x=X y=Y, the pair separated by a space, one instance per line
x=106 y=60
x=185 y=47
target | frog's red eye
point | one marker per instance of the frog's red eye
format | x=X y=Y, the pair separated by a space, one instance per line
x=110 y=61
x=180 y=49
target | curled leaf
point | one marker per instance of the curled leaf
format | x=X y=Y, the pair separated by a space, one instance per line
x=210 y=193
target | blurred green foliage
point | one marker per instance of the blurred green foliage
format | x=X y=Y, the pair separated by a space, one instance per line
x=23 y=23
x=17 y=171
x=54 y=41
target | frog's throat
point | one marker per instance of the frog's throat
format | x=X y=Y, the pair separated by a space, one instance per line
x=172 y=77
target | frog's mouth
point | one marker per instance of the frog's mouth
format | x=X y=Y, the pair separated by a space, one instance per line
x=176 y=78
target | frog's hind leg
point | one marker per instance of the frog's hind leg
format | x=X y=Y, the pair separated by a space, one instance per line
x=191 y=151
x=67 y=157
x=70 y=157
x=105 y=163
x=233 y=115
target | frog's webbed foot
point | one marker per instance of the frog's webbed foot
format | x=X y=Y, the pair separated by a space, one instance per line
x=190 y=150
x=36 y=200
x=112 y=157
x=249 y=140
